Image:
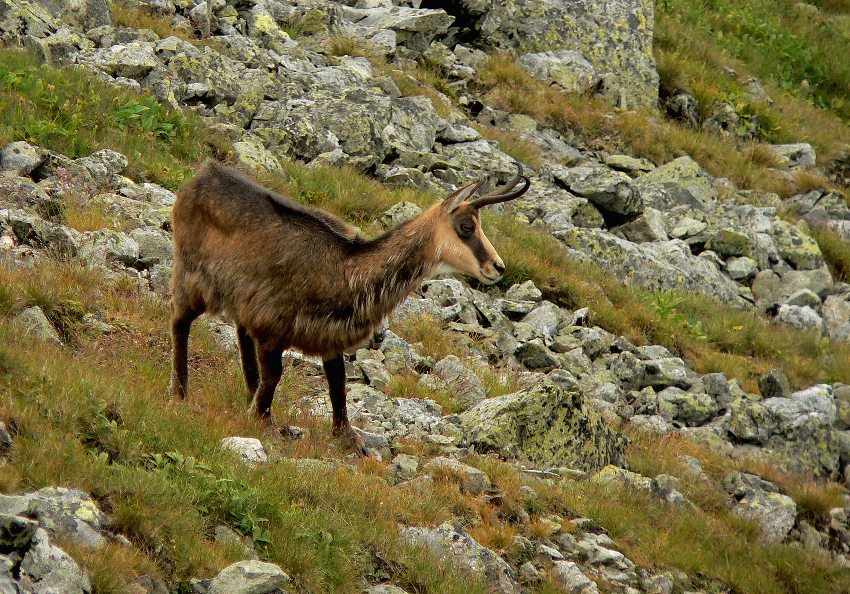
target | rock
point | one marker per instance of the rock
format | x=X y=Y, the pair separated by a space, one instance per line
x=665 y=265
x=649 y=226
x=535 y=356
x=134 y=60
x=798 y=429
x=404 y=467
x=609 y=190
x=16 y=532
x=651 y=424
x=689 y=408
x=385 y=589
x=570 y=576
x=770 y=288
x=33 y=322
x=249 y=577
x=544 y=320
x=616 y=38
x=566 y=68
x=627 y=164
x=154 y=246
x=836 y=317
x=728 y=244
x=545 y=426
x=526 y=291
x=473 y=481
x=68 y=514
x=398 y=213
x=21 y=158
x=669 y=371
x=795 y=247
x=101 y=248
x=804 y=318
x=760 y=501
x=249 y=449
x=774 y=384
x=741 y=269
x=465 y=553
x=48 y=569
x=252 y=155
x=804 y=297
x=464 y=384
x=791 y=156
x=684 y=108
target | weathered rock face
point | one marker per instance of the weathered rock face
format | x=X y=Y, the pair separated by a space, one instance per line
x=761 y=501
x=615 y=37
x=545 y=426
x=799 y=429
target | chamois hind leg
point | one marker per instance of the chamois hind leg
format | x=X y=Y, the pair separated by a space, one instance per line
x=271 y=368
x=249 y=361
x=180 y=326
x=335 y=372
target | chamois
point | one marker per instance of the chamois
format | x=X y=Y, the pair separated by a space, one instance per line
x=293 y=276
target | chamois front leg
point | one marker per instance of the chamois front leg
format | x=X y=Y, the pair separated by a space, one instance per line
x=335 y=372
x=271 y=368
x=249 y=361
x=180 y=326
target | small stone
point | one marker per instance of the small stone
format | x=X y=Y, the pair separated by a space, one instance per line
x=774 y=384
x=742 y=268
x=249 y=577
x=569 y=575
x=249 y=449
x=526 y=291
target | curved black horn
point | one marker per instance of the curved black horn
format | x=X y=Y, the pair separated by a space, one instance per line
x=505 y=192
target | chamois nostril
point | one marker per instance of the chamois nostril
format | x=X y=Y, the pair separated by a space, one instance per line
x=500 y=268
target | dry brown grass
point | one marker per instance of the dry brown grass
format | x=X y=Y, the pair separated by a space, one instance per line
x=514 y=144
x=139 y=17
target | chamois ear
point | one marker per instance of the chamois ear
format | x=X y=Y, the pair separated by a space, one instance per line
x=454 y=200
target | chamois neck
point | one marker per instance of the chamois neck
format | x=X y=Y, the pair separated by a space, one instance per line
x=385 y=270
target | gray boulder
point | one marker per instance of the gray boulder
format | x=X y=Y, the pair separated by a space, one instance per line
x=836 y=317
x=610 y=190
x=68 y=514
x=761 y=501
x=249 y=449
x=21 y=158
x=543 y=425
x=462 y=382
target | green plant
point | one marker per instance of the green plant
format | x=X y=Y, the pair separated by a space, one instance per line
x=147 y=115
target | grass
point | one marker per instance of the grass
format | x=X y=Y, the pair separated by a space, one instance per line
x=836 y=252
x=69 y=111
x=778 y=42
x=140 y=17
x=513 y=144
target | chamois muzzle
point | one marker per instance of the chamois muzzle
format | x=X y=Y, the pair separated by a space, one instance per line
x=504 y=192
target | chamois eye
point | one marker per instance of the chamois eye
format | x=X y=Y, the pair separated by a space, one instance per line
x=467 y=228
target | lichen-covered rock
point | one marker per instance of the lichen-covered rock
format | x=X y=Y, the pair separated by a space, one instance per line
x=462 y=382
x=803 y=318
x=609 y=190
x=256 y=157
x=101 y=248
x=472 y=480
x=48 y=569
x=545 y=426
x=795 y=247
x=774 y=384
x=249 y=577
x=570 y=576
x=133 y=60
x=790 y=156
x=615 y=37
x=679 y=182
x=21 y=158
x=66 y=513
x=33 y=322
x=458 y=548
x=836 y=317
x=762 y=502
x=798 y=429
x=649 y=226
x=398 y=213
x=566 y=68
x=665 y=265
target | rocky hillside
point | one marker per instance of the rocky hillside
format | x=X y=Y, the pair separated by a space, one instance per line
x=656 y=399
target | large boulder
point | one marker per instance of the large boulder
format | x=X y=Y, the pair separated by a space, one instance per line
x=761 y=501
x=249 y=577
x=68 y=514
x=545 y=426
x=798 y=429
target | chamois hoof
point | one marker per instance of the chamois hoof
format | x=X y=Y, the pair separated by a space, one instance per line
x=353 y=441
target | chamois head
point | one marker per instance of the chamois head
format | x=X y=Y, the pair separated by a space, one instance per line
x=460 y=243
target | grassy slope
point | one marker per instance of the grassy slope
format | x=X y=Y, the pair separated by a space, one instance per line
x=92 y=416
